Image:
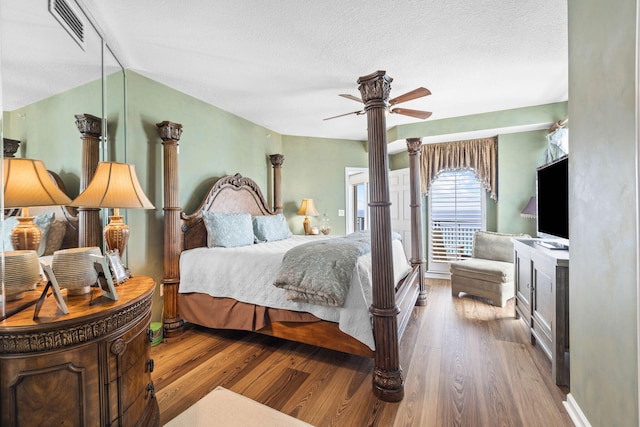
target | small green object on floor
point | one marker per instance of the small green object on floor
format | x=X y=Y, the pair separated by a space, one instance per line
x=156 y=333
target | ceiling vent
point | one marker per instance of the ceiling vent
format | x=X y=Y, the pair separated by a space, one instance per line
x=70 y=20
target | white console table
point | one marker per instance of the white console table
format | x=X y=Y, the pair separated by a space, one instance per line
x=542 y=300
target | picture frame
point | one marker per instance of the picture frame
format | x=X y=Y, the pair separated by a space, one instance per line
x=105 y=280
x=52 y=283
x=119 y=272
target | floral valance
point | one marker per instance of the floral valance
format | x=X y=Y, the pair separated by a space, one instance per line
x=479 y=155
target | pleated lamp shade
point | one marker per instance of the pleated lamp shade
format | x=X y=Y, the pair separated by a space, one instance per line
x=530 y=211
x=27 y=183
x=114 y=185
x=307 y=208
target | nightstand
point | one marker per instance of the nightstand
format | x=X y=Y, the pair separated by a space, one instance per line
x=91 y=367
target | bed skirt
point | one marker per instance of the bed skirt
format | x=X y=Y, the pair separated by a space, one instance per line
x=227 y=313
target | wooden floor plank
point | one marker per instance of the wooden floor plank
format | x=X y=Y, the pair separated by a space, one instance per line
x=465 y=363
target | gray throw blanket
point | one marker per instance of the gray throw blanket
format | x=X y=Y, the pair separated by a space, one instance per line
x=320 y=272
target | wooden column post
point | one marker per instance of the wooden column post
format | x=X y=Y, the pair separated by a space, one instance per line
x=89 y=224
x=417 y=248
x=172 y=322
x=388 y=384
x=276 y=161
x=10 y=147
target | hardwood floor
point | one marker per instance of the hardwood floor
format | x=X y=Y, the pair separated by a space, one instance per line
x=465 y=363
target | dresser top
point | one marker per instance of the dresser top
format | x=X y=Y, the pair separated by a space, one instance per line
x=82 y=308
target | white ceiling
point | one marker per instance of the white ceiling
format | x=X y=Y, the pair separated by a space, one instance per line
x=282 y=63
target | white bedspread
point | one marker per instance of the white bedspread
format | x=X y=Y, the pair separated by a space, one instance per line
x=247 y=274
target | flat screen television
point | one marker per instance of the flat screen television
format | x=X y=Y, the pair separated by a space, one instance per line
x=552 y=197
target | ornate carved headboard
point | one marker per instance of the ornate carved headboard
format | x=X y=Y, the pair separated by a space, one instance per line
x=230 y=194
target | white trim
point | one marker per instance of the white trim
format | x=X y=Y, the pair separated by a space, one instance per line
x=575 y=413
x=400 y=145
x=637 y=201
x=348 y=195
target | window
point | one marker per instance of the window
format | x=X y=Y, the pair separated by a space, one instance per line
x=361 y=206
x=357 y=199
x=456 y=212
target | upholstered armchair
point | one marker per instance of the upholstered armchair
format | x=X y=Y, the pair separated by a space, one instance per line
x=489 y=272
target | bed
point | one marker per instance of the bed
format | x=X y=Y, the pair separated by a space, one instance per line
x=391 y=302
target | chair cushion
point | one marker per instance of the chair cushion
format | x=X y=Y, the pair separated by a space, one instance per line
x=484 y=269
x=495 y=246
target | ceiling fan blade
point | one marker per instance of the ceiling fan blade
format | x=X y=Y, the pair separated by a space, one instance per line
x=346 y=114
x=416 y=93
x=413 y=113
x=354 y=98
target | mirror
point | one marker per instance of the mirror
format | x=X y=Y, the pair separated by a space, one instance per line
x=46 y=78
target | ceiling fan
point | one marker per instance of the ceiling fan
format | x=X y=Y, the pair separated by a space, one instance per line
x=416 y=93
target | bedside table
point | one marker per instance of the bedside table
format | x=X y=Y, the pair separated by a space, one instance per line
x=90 y=367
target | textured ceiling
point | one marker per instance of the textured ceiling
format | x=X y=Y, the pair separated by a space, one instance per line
x=282 y=63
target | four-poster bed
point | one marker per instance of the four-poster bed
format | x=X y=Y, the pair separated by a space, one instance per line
x=392 y=302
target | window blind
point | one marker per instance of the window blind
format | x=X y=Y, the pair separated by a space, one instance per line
x=455 y=214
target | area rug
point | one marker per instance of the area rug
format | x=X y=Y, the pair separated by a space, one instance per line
x=223 y=407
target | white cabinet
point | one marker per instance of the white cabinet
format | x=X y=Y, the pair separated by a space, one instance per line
x=542 y=301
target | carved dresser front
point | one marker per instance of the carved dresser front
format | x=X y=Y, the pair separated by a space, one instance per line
x=90 y=367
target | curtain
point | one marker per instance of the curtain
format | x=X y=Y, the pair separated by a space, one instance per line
x=557 y=145
x=479 y=155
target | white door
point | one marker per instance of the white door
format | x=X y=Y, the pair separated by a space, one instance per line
x=400 y=197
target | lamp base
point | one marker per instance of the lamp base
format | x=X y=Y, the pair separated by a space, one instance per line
x=307 y=225
x=116 y=234
x=26 y=235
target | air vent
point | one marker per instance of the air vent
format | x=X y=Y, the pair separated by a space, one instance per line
x=69 y=19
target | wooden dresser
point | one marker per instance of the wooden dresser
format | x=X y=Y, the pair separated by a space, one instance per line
x=91 y=367
x=542 y=300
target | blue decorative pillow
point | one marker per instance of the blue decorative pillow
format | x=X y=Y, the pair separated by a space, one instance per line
x=42 y=221
x=228 y=230
x=269 y=228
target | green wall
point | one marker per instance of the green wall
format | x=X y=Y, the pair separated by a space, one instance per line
x=48 y=132
x=314 y=168
x=214 y=143
x=519 y=154
x=547 y=113
x=603 y=203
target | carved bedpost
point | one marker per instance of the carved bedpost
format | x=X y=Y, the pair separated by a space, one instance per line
x=276 y=161
x=10 y=147
x=417 y=250
x=171 y=320
x=388 y=384
x=89 y=224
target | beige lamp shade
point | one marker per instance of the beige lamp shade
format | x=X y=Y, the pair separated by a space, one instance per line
x=114 y=185
x=27 y=183
x=307 y=208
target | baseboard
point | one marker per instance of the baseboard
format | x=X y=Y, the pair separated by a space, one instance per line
x=574 y=411
x=437 y=275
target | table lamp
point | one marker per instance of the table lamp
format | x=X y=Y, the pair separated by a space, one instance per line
x=530 y=211
x=307 y=208
x=27 y=183
x=114 y=185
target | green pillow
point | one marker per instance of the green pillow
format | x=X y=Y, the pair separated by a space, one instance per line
x=270 y=228
x=228 y=230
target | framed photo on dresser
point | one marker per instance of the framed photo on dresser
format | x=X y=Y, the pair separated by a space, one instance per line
x=119 y=272
x=105 y=281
